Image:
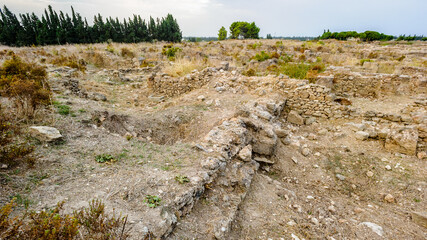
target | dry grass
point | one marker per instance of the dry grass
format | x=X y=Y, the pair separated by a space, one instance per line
x=184 y=66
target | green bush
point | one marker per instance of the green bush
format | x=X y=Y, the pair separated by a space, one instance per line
x=362 y=61
x=152 y=201
x=170 y=51
x=103 y=158
x=262 y=56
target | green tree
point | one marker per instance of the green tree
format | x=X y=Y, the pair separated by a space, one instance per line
x=269 y=36
x=244 y=30
x=222 y=34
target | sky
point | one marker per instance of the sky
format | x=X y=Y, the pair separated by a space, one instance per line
x=204 y=18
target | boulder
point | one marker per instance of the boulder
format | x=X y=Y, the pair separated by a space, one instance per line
x=402 y=140
x=45 y=134
x=295 y=118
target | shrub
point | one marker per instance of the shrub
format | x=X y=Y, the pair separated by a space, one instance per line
x=88 y=223
x=401 y=58
x=262 y=56
x=254 y=45
x=62 y=109
x=103 y=158
x=152 y=201
x=12 y=149
x=110 y=48
x=170 y=51
x=95 y=224
x=249 y=73
x=70 y=61
x=362 y=61
x=96 y=59
x=182 y=179
x=26 y=84
x=126 y=52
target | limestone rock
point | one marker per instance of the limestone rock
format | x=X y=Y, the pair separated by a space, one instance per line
x=374 y=227
x=98 y=97
x=361 y=135
x=263 y=160
x=402 y=140
x=389 y=198
x=265 y=145
x=45 y=134
x=305 y=152
x=246 y=153
x=295 y=118
x=281 y=133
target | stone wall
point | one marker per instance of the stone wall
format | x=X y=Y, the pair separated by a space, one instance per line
x=373 y=85
x=168 y=86
x=313 y=100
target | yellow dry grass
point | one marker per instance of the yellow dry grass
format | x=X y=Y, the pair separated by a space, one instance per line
x=183 y=66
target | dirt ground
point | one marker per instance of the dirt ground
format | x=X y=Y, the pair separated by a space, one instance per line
x=336 y=190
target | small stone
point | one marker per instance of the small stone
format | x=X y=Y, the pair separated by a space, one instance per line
x=305 y=152
x=332 y=209
x=422 y=155
x=286 y=141
x=4 y=166
x=310 y=120
x=340 y=177
x=389 y=198
x=246 y=153
x=312 y=136
x=295 y=160
x=361 y=135
x=45 y=134
x=98 y=97
x=388 y=168
x=201 y=98
x=310 y=197
x=263 y=160
x=281 y=133
x=291 y=223
x=315 y=221
x=323 y=131
x=369 y=174
x=295 y=118
x=358 y=210
x=295 y=237
x=374 y=227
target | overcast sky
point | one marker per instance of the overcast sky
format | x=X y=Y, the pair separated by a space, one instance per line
x=278 y=17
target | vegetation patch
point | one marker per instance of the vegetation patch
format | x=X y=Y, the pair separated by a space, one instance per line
x=152 y=201
x=104 y=158
x=88 y=223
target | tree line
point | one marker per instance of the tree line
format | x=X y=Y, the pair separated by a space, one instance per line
x=367 y=36
x=54 y=28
